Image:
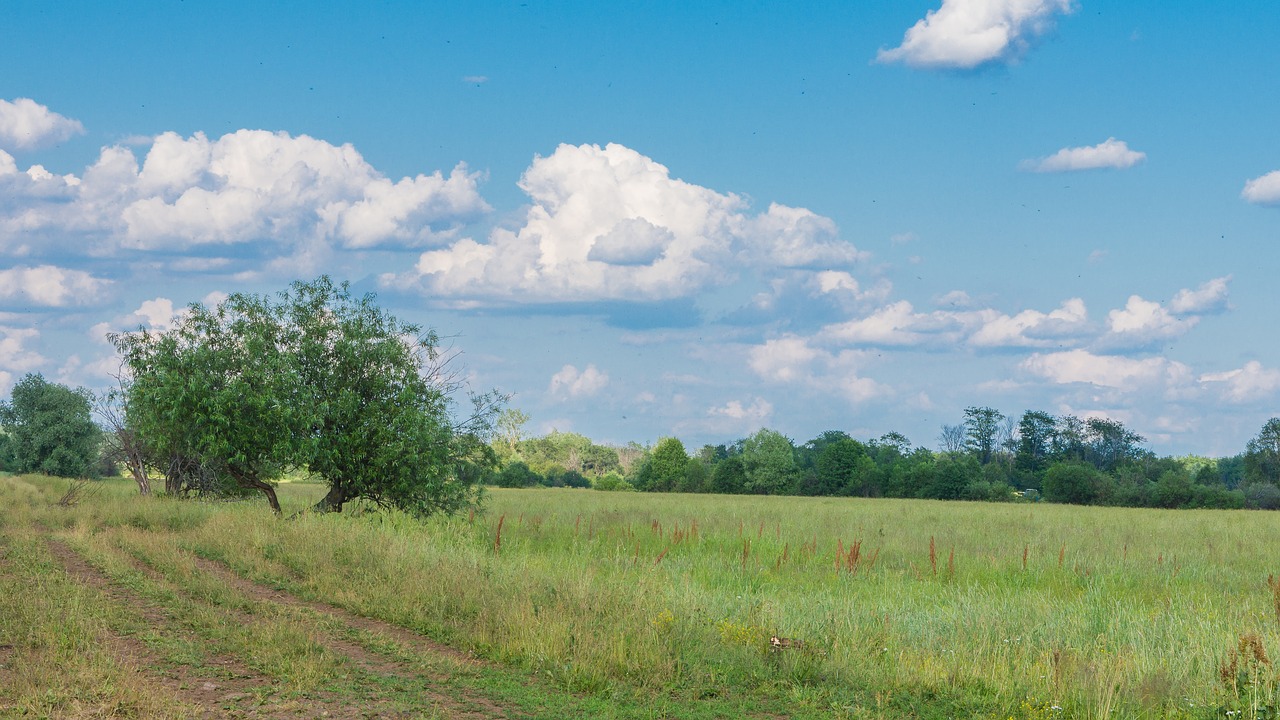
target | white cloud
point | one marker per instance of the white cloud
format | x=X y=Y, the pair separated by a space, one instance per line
x=1109 y=154
x=954 y=299
x=1108 y=371
x=844 y=287
x=1031 y=328
x=14 y=355
x=291 y=195
x=1263 y=190
x=26 y=124
x=572 y=383
x=611 y=224
x=50 y=286
x=1246 y=384
x=792 y=360
x=897 y=325
x=758 y=412
x=1210 y=297
x=157 y=314
x=1143 y=322
x=969 y=33
x=782 y=360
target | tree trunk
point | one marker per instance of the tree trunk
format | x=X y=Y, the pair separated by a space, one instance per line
x=333 y=500
x=265 y=488
x=140 y=477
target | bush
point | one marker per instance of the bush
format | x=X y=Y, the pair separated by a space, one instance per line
x=1262 y=496
x=613 y=482
x=517 y=475
x=1072 y=482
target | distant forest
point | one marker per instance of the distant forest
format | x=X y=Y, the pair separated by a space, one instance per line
x=989 y=456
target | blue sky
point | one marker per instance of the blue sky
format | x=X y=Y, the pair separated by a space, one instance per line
x=662 y=219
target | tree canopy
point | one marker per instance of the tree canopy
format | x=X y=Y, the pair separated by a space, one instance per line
x=47 y=428
x=313 y=379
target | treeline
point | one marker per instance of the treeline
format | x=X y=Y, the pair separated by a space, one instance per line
x=988 y=456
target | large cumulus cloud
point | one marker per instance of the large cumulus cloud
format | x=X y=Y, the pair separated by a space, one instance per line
x=249 y=186
x=608 y=223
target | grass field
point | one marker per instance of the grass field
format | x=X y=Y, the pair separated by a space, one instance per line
x=576 y=603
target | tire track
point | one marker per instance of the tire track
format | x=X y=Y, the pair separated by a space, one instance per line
x=466 y=705
x=234 y=691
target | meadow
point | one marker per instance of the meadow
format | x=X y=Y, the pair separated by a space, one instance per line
x=579 y=603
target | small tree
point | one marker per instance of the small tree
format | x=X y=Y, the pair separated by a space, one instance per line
x=318 y=380
x=1262 y=455
x=664 y=469
x=770 y=462
x=380 y=426
x=49 y=429
x=1072 y=482
x=982 y=428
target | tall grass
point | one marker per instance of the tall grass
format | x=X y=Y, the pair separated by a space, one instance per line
x=900 y=608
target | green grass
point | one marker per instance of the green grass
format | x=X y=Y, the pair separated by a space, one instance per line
x=634 y=605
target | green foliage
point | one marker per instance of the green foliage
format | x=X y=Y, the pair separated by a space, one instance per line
x=318 y=379
x=952 y=475
x=1072 y=482
x=665 y=468
x=567 y=450
x=516 y=474
x=981 y=425
x=769 y=460
x=730 y=476
x=613 y=482
x=697 y=479
x=1262 y=455
x=47 y=428
x=1037 y=434
x=844 y=468
x=381 y=429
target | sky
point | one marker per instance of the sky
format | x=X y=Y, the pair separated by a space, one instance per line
x=670 y=218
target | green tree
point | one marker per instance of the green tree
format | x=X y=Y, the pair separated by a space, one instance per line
x=844 y=468
x=697 y=479
x=1110 y=443
x=770 y=463
x=318 y=379
x=510 y=430
x=516 y=474
x=1037 y=432
x=952 y=475
x=382 y=428
x=730 y=476
x=49 y=430
x=1072 y=482
x=665 y=468
x=981 y=427
x=1069 y=439
x=1262 y=455
x=219 y=388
